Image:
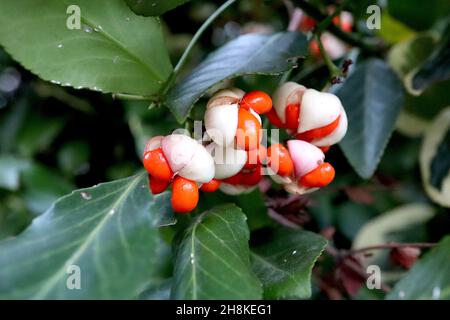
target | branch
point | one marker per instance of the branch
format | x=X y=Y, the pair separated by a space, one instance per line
x=350 y=38
x=392 y=245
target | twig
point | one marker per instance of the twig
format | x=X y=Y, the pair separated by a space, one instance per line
x=350 y=38
x=335 y=72
x=324 y=24
x=289 y=6
x=192 y=43
x=392 y=245
x=295 y=20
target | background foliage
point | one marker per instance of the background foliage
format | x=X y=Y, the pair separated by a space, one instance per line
x=62 y=130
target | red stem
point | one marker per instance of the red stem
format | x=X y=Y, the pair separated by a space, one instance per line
x=392 y=245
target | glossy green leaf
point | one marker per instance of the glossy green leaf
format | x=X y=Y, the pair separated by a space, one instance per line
x=212 y=258
x=153 y=7
x=251 y=203
x=435 y=159
x=440 y=165
x=107 y=231
x=158 y=291
x=429 y=278
x=372 y=97
x=114 y=50
x=430 y=102
x=248 y=54
x=284 y=264
x=408 y=55
x=436 y=68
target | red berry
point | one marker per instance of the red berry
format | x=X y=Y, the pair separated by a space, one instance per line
x=248 y=133
x=157 y=186
x=307 y=24
x=156 y=165
x=211 y=186
x=292 y=116
x=314 y=48
x=259 y=101
x=280 y=160
x=319 y=177
x=318 y=133
x=251 y=178
x=184 y=195
x=234 y=180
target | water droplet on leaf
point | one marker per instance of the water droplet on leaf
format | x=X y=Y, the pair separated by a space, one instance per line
x=86 y=196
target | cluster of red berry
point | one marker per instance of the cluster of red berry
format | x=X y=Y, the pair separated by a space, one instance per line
x=231 y=156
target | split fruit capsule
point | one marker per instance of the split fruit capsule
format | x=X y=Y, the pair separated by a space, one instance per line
x=232 y=118
x=309 y=115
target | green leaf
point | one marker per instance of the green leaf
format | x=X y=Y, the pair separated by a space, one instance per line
x=284 y=264
x=248 y=54
x=113 y=51
x=251 y=203
x=385 y=227
x=411 y=12
x=106 y=230
x=407 y=55
x=159 y=291
x=434 y=159
x=163 y=207
x=429 y=278
x=372 y=97
x=436 y=68
x=153 y=7
x=440 y=165
x=392 y=30
x=212 y=259
x=430 y=102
